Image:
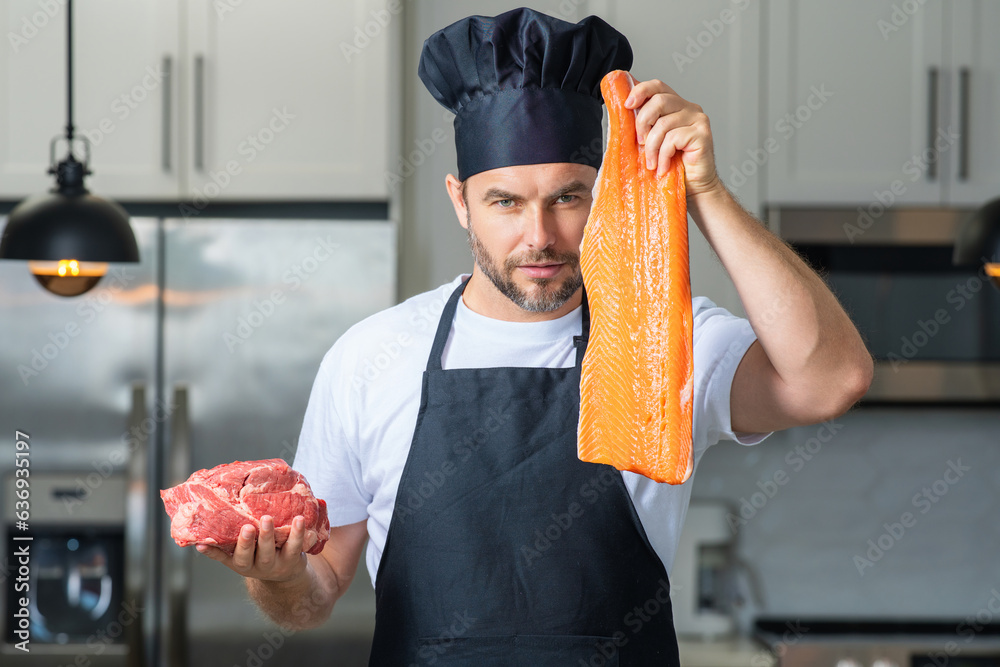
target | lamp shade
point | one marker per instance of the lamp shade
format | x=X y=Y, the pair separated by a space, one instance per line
x=57 y=226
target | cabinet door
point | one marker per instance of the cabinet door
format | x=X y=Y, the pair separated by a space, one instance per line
x=709 y=52
x=851 y=102
x=32 y=93
x=288 y=99
x=976 y=101
x=122 y=95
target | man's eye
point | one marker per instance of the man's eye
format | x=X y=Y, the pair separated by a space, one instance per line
x=505 y=203
x=566 y=199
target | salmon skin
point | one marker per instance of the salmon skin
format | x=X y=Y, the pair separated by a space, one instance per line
x=637 y=383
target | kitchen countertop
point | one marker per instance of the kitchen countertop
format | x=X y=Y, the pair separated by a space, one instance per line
x=727 y=652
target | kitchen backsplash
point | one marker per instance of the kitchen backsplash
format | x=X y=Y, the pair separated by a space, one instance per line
x=884 y=512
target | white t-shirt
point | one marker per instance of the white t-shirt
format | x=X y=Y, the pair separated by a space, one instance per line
x=363 y=408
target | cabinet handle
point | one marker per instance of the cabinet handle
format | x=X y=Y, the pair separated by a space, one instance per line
x=932 y=120
x=168 y=65
x=199 y=112
x=964 y=91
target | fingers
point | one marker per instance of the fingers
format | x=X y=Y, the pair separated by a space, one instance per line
x=680 y=125
x=293 y=546
x=243 y=556
x=265 y=542
x=312 y=537
x=256 y=556
x=642 y=91
x=682 y=138
x=214 y=553
x=662 y=106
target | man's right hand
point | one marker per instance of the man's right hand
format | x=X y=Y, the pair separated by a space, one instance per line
x=257 y=557
x=296 y=590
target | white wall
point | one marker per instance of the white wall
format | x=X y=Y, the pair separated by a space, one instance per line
x=842 y=486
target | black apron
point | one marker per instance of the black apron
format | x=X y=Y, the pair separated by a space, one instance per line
x=504 y=549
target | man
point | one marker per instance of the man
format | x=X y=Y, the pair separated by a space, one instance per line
x=490 y=542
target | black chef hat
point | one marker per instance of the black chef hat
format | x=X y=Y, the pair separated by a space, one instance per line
x=525 y=87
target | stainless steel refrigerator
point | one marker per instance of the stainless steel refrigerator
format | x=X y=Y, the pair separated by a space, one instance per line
x=202 y=354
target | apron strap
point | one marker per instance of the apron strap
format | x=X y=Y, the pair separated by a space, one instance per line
x=581 y=341
x=448 y=316
x=444 y=328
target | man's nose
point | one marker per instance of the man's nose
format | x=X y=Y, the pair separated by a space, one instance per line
x=539 y=228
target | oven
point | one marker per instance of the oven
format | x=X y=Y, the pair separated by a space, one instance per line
x=933 y=327
x=880 y=643
x=65 y=579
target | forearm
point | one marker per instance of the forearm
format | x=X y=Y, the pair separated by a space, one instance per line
x=808 y=338
x=302 y=603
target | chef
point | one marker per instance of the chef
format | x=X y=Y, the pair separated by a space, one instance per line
x=443 y=430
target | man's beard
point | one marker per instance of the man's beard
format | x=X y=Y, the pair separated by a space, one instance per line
x=502 y=278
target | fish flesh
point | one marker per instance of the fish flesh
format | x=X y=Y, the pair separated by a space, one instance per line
x=637 y=382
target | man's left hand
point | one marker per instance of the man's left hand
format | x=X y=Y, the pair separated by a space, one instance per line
x=666 y=123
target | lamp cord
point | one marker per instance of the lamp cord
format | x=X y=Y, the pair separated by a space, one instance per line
x=69 y=74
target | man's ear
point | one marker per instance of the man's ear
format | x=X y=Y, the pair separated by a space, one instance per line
x=454 y=187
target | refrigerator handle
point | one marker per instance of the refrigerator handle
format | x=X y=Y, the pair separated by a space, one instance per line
x=136 y=533
x=179 y=453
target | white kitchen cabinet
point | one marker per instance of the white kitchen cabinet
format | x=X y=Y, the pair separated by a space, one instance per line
x=203 y=100
x=976 y=57
x=709 y=52
x=119 y=101
x=865 y=102
x=288 y=99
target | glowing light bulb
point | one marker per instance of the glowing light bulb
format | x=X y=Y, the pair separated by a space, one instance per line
x=993 y=271
x=68 y=277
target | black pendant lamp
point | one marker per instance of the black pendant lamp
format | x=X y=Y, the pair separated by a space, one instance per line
x=978 y=242
x=68 y=235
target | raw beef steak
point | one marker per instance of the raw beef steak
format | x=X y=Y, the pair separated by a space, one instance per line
x=213 y=505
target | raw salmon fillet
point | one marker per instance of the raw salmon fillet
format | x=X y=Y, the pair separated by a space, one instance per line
x=637 y=382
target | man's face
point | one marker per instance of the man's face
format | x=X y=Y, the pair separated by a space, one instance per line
x=525 y=226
